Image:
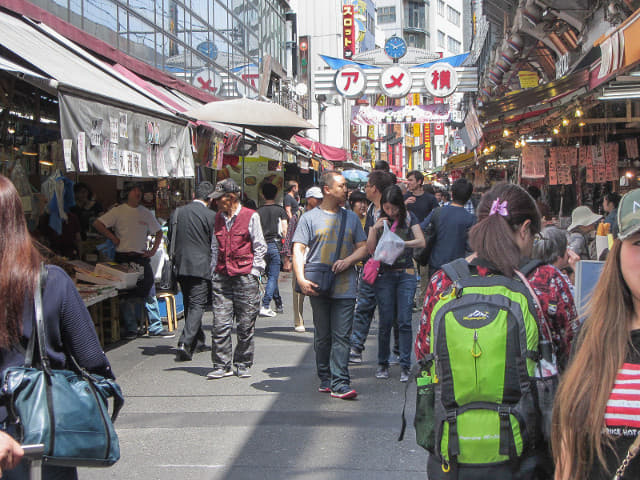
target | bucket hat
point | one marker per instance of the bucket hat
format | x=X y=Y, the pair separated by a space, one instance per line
x=629 y=214
x=583 y=216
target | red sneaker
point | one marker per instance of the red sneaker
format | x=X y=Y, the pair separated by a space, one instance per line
x=344 y=392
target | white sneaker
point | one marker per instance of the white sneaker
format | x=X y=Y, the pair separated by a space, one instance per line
x=267 y=312
x=300 y=329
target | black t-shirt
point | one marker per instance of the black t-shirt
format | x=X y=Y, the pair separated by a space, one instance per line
x=622 y=416
x=290 y=201
x=422 y=206
x=270 y=216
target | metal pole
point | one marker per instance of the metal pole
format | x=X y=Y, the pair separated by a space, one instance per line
x=242 y=151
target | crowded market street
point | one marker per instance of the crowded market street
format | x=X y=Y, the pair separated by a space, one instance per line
x=273 y=425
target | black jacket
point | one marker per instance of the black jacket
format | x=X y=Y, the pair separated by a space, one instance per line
x=194 y=229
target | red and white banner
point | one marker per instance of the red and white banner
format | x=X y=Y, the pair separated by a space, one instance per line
x=348 y=32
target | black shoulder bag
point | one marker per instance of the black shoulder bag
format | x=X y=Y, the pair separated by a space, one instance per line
x=169 y=277
x=422 y=255
x=65 y=410
x=322 y=274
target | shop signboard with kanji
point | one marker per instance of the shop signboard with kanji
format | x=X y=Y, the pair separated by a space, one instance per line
x=348 y=32
x=441 y=79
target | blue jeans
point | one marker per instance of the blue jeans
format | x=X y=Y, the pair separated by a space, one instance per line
x=131 y=311
x=395 y=290
x=365 y=307
x=332 y=320
x=273 y=272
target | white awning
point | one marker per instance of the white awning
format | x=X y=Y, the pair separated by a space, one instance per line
x=55 y=55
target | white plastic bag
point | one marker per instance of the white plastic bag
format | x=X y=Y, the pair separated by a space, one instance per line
x=390 y=246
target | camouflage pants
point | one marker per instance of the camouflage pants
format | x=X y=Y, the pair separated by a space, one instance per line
x=234 y=297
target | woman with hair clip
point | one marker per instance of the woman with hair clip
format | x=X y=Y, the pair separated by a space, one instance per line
x=502 y=239
x=596 y=416
x=68 y=325
x=395 y=285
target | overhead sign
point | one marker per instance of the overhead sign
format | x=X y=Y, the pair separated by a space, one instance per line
x=396 y=81
x=366 y=115
x=351 y=81
x=348 y=32
x=441 y=79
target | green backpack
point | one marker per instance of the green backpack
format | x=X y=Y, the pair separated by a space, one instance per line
x=477 y=386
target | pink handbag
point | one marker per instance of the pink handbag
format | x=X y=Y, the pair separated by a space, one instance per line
x=370 y=271
x=372 y=267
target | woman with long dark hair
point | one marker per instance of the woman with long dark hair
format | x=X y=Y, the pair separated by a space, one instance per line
x=502 y=240
x=596 y=413
x=395 y=285
x=68 y=325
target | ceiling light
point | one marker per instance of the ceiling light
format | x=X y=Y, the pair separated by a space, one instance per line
x=565 y=122
x=46 y=162
x=581 y=124
x=578 y=113
x=556 y=130
x=506 y=133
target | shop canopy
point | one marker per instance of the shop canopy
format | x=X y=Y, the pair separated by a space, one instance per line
x=326 y=151
x=94 y=100
x=261 y=117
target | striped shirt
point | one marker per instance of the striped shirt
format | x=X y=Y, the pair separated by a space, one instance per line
x=623 y=407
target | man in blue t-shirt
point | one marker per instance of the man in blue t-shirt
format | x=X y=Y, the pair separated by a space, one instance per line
x=316 y=238
x=452 y=227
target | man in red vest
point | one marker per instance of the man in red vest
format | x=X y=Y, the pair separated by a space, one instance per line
x=237 y=261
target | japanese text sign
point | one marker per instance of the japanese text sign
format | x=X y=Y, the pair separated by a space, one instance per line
x=441 y=80
x=348 y=32
x=351 y=81
x=395 y=81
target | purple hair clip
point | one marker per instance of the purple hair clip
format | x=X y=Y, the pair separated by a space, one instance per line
x=499 y=208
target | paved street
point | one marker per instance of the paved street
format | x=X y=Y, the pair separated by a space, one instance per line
x=274 y=425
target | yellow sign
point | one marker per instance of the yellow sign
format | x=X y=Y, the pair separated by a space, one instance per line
x=528 y=79
x=416 y=130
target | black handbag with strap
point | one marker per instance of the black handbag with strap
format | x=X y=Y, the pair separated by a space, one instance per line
x=422 y=255
x=169 y=277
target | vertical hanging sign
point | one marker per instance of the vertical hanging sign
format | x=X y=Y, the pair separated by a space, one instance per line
x=348 y=32
x=427 y=144
x=438 y=128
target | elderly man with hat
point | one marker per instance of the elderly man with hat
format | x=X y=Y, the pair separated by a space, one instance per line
x=131 y=223
x=583 y=224
x=237 y=262
x=313 y=198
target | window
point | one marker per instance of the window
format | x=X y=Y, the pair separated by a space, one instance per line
x=415 y=15
x=453 y=45
x=441 y=8
x=442 y=39
x=386 y=14
x=415 y=40
x=453 y=15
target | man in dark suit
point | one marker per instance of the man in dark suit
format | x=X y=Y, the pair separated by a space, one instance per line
x=194 y=224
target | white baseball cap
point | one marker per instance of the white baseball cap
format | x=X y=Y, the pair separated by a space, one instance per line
x=314 y=192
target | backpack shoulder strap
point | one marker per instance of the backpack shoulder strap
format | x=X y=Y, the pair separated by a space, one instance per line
x=530 y=266
x=457 y=270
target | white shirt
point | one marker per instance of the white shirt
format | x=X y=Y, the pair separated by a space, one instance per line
x=131 y=226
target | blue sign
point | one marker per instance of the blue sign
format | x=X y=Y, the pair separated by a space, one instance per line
x=209 y=49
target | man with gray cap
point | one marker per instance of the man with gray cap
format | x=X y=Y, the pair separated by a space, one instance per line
x=237 y=262
x=192 y=226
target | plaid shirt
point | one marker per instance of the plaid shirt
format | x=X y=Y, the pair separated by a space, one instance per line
x=552 y=291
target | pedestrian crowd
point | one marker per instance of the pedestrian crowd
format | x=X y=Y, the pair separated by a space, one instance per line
x=492 y=277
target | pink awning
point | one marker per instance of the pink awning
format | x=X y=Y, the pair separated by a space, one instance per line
x=326 y=151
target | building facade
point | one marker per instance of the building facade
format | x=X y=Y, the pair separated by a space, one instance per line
x=218 y=46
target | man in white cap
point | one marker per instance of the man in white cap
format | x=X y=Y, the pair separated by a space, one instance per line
x=313 y=198
x=237 y=261
x=583 y=224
